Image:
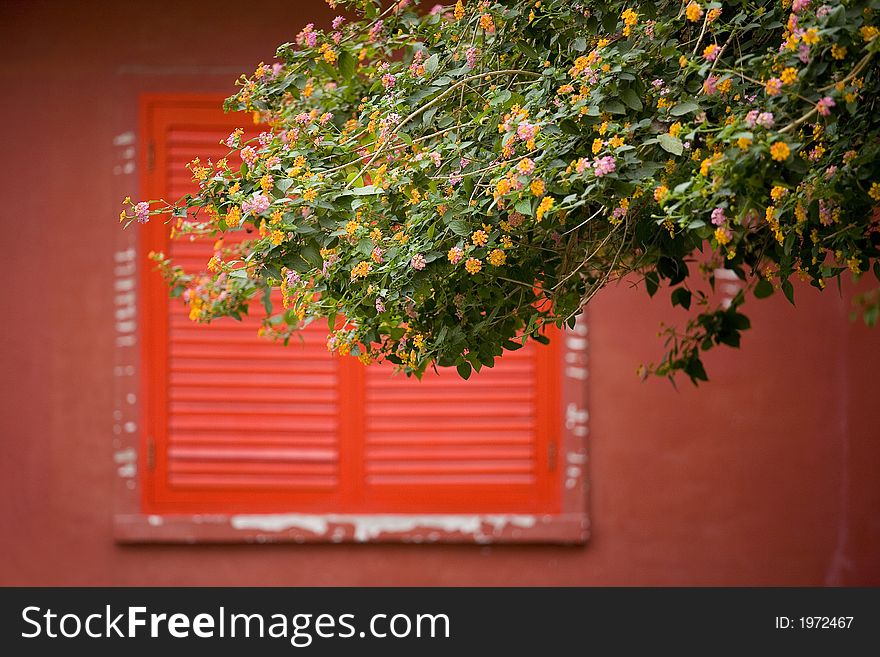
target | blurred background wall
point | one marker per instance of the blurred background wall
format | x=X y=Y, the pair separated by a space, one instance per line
x=765 y=476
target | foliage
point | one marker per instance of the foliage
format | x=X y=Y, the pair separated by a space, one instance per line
x=440 y=184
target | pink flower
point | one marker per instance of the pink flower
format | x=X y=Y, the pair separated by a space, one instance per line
x=311 y=39
x=824 y=106
x=804 y=53
x=292 y=278
x=603 y=166
x=259 y=203
x=765 y=119
x=249 y=155
x=376 y=30
x=799 y=5
x=388 y=81
x=304 y=33
x=455 y=255
x=337 y=37
x=418 y=261
x=471 y=57
x=339 y=20
x=710 y=86
x=582 y=165
x=142 y=212
x=526 y=166
x=377 y=255
x=325 y=118
x=303 y=118
x=526 y=131
x=264 y=138
x=233 y=139
x=434 y=156
x=619 y=213
x=380 y=306
x=751 y=118
x=718 y=216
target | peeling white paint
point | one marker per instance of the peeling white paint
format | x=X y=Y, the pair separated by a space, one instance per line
x=155 y=521
x=368 y=527
x=124 y=139
x=579 y=373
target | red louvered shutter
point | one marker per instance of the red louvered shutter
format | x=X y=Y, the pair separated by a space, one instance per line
x=235 y=423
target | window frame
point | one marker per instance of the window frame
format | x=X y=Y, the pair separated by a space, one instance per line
x=134 y=450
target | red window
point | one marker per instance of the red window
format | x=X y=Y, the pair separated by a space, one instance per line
x=235 y=424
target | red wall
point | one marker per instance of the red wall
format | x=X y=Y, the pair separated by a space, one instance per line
x=767 y=475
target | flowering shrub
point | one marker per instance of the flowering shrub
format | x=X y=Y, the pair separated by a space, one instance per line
x=440 y=184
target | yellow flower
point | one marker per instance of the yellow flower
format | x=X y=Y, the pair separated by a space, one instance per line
x=811 y=36
x=473 y=265
x=694 y=12
x=233 y=216
x=743 y=143
x=629 y=17
x=459 y=11
x=479 y=238
x=778 y=193
x=780 y=151
x=675 y=129
x=615 y=142
x=543 y=207
x=597 y=145
x=360 y=270
x=789 y=75
x=725 y=85
x=660 y=193
x=682 y=61
x=838 y=52
x=537 y=187
x=869 y=32
x=310 y=195
x=276 y=237
x=486 y=23
x=497 y=257
x=722 y=235
x=351 y=227
x=874 y=192
x=709 y=50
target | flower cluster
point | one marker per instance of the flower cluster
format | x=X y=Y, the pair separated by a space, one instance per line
x=451 y=181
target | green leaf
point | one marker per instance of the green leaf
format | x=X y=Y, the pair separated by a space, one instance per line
x=615 y=107
x=459 y=227
x=763 y=289
x=579 y=44
x=652 y=282
x=670 y=144
x=681 y=297
x=431 y=63
x=346 y=65
x=684 y=108
x=632 y=100
x=524 y=207
x=788 y=291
